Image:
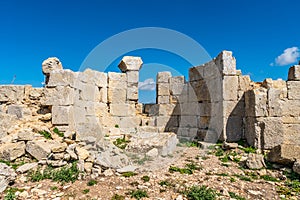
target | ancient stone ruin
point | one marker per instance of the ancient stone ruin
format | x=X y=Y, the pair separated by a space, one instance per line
x=93 y=108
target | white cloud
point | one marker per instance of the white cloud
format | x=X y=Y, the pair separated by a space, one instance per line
x=148 y=84
x=289 y=56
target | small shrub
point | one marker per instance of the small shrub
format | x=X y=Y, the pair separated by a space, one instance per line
x=193 y=166
x=53 y=188
x=85 y=191
x=225 y=158
x=243 y=178
x=46 y=134
x=92 y=182
x=10 y=194
x=117 y=126
x=180 y=170
x=269 y=178
x=60 y=134
x=118 y=197
x=165 y=183
x=200 y=193
x=219 y=152
x=222 y=174
x=121 y=142
x=235 y=196
x=128 y=174
x=249 y=150
x=64 y=174
x=146 y=178
x=232 y=179
x=138 y=194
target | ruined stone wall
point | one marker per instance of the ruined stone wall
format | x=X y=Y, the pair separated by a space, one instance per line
x=217 y=102
x=272 y=111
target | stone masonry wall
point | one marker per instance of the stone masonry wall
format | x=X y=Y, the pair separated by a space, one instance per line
x=217 y=102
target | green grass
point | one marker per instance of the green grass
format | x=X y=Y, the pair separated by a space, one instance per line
x=232 y=179
x=138 y=194
x=200 y=193
x=118 y=197
x=222 y=174
x=145 y=178
x=53 y=188
x=128 y=174
x=249 y=150
x=117 y=126
x=269 y=178
x=219 y=152
x=180 y=170
x=63 y=174
x=291 y=186
x=121 y=142
x=46 y=134
x=225 y=158
x=235 y=196
x=11 y=193
x=92 y=182
x=60 y=134
x=85 y=191
x=165 y=183
x=243 y=178
x=193 y=166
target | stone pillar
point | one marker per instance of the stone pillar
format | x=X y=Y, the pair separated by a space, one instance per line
x=49 y=65
x=131 y=66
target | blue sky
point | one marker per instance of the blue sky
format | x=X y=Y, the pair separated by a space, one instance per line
x=256 y=31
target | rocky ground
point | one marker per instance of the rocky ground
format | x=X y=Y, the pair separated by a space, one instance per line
x=223 y=172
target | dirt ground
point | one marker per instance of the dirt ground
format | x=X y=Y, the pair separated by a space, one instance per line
x=226 y=178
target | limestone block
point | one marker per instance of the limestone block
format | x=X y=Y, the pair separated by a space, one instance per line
x=109 y=121
x=269 y=83
x=294 y=73
x=147 y=107
x=271 y=131
x=189 y=108
x=39 y=149
x=139 y=108
x=275 y=101
x=103 y=94
x=291 y=108
x=198 y=91
x=11 y=151
x=88 y=92
x=290 y=120
x=163 y=77
x=62 y=78
x=16 y=110
x=117 y=95
x=163 y=99
x=62 y=115
x=161 y=109
x=230 y=88
x=82 y=153
x=11 y=93
x=188 y=121
x=203 y=122
x=60 y=95
x=233 y=108
x=234 y=128
x=35 y=93
x=226 y=63
x=94 y=77
x=244 y=82
x=187 y=133
x=211 y=70
x=163 y=89
x=284 y=153
x=291 y=133
x=58 y=147
x=196 y=73
x=132 y=76
x=205 y=109
x=117 y=80
x=173 y=123
x=51 y=64
x=161 y=121
x=129 y=122
x=253 y=132
x=256 y=102
x=293 y=90
x=101 y=109
x=132 y=92
x=122 y=110
x=130 y=63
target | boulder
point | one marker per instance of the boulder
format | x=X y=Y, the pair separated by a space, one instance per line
x=26 y=167
x=255 y=161
x=39 y=149
x=11 y=151
x=7 y=176
x=296 y=166
x=284 y=154
x=51 y=64
x=130 y=63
